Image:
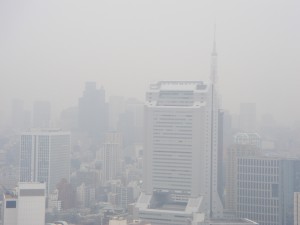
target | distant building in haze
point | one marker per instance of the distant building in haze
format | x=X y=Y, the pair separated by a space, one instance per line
x=20 y=118
x=111 y=152
x=116 y=108
x=247 y=121
x=93 y=111
x=69 y=119
x=41 y=114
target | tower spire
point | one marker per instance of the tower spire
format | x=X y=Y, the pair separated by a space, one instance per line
x=214 y=56
x=215 y=44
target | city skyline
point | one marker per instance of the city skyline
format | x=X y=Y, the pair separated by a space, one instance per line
x=162 y=41
x=150 y=112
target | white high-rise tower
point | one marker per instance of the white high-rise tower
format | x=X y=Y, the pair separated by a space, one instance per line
x=181 y=142
x=181 y=163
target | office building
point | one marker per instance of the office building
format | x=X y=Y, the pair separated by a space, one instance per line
x=259 y=187
x=252 y=139
x=111 y=152
x=181 y=154
x=45 y=157
x=25 y=206
x=93 y=111
x=31 y=203
x=116 y=107
x=247 y=121
x=297 y=208
x=20 y=117
x=266 y=188
x=41 y=114
x=9 y=209
x=54 y=204
x=85 y=196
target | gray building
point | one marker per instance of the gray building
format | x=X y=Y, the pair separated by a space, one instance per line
x=247 y=120
x=41 y=114
x=93 y=111
x=261 y=188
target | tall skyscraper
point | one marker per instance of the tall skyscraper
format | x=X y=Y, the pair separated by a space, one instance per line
x=93 y=111
x=41 y=114
x=181 y=150
x=183 y=154
x=25 y=206
x=45 y=157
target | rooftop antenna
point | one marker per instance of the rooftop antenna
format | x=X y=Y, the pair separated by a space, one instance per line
x=214 y=56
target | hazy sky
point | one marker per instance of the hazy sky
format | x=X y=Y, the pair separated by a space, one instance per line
x=48 y=49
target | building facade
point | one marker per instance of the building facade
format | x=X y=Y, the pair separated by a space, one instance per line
x=93 y=111
x=181 y=151
x=26 y=206
x=45 y=157
x=41 y=114
x=261 y=188
x=111 y=154
x=297 y=208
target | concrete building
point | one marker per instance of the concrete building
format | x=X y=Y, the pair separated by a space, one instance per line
x=125 y=196
x=297 y=208
x=247 y=121
x=245 y=144
x=9 y=209
x=116 y=107
x=111 y=153
x=93 y=111
x=45 y=157
x=181 y=154
x=53 y=201
x=31 y=203
x=20 y=117
x=261 y=188
x=252 y=139
x=85 y=196
x=266 y=188
x=26 y=206
x=41 y=114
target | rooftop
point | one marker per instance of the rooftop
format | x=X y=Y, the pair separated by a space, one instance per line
x=178 y=85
